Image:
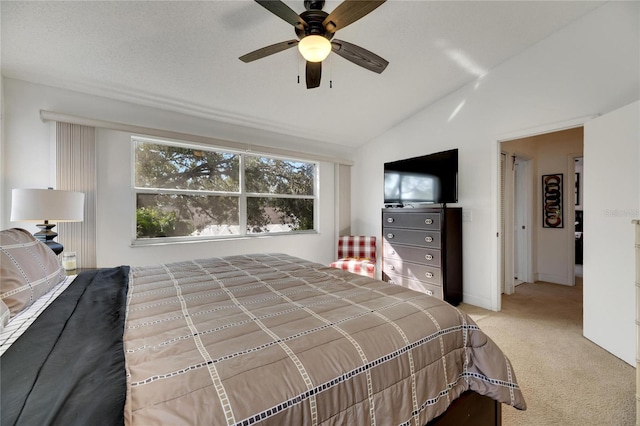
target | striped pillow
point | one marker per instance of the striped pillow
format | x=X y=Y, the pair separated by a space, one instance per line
x=28 y=269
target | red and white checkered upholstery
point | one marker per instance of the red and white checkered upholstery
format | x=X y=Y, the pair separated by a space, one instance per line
x=357 y=254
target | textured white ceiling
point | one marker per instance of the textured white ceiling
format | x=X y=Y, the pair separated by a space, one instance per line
x=183 y=56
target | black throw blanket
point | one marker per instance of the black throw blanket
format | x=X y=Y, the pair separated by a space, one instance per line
x=68 y=367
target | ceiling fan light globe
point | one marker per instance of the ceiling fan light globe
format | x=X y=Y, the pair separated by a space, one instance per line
x=314 y=48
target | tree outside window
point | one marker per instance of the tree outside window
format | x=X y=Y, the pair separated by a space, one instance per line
x=184 y=191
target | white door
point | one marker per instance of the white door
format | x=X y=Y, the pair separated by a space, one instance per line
x=521 y=220
x=516 y=204
x=611 y=202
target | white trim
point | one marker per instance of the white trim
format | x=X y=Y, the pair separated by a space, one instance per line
x=553 y=278
x=148 y=131
x=165 y=241
x=165 y=103
x=546 y=128
x=509 y=221
x=495 y=259
x=477 y=301
x=571 y=215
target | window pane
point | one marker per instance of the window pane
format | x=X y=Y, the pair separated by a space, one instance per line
x=171 y=215
x=272 y=176
x=173 y=167
x=279 y=214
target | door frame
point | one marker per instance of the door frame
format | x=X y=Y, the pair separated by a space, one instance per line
x=496 y=299
x=571 y=213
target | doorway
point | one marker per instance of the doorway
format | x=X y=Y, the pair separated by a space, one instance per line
x=532 y=251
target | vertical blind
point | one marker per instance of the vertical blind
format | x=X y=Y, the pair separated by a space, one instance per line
x=343 y=202
x=76 y=171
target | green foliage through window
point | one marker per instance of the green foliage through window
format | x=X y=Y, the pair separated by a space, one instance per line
x=184 y=191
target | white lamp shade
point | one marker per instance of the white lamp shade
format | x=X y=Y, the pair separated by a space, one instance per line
x=314 y=48
x=46 y=204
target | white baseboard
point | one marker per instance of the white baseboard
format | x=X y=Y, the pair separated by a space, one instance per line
x=480 y=302
x=555 y=279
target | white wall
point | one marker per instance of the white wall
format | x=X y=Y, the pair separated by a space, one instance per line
x=611 y=202
x=590 y=67
x=555 y=247
x=116 y=206
x=29 y=161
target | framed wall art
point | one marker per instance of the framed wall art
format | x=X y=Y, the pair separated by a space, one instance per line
x=552 y=205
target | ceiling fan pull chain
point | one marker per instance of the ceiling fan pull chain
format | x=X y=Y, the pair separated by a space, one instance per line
x=330 y=72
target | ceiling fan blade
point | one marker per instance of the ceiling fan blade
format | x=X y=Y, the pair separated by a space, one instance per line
x=359 y=56
x=269 y=50
x=283 y=11
x=348 y=12
x=314 y=73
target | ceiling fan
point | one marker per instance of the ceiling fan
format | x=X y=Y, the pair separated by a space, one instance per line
x=315 y=30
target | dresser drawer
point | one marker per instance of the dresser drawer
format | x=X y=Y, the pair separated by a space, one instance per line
x=411 y=220
x=426 y=256
x=413 y=270
x=413 y=237
x=422 y=250
x=430 y=289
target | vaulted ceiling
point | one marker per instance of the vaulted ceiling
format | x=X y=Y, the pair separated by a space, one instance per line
x=183 y=56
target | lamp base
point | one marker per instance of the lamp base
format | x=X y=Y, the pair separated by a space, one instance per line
x=46 y=235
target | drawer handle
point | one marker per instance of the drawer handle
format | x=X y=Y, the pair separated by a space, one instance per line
x=428 y=274
x=428 y=239
x=392 y=252
x=390 y=219
x=428 y=221
x=428 y=257
x=429 y=292
x=391 y=267
x=390 y=235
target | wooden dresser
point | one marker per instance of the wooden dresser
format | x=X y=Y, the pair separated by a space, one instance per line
x=422 y=250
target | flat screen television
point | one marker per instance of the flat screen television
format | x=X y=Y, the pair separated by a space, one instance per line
x=429 y=179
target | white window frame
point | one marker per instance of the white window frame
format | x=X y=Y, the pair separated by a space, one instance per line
x=241 y=194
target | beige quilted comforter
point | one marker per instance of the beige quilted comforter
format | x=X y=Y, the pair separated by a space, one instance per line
x=273 y=339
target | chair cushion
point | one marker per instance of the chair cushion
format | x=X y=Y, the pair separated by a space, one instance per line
x=360 y=266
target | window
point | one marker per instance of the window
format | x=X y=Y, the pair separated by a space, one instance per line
x=194 y=192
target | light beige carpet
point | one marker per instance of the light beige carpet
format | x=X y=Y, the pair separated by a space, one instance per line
x=566 y=379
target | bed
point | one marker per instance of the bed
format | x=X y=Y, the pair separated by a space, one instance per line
x=266 y=338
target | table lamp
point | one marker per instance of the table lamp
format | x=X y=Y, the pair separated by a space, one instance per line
x=55 y=205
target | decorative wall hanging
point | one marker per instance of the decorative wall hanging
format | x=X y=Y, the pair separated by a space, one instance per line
x=552 y=201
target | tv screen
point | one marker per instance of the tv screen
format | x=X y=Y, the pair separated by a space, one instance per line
x=430 y=179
